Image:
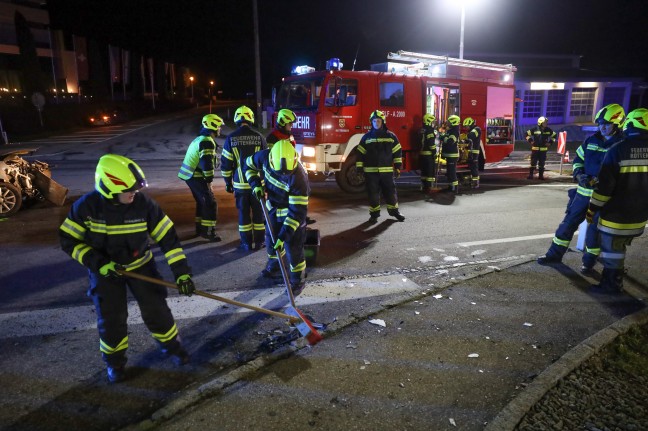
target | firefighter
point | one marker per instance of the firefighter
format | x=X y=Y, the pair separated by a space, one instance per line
x=621 y=199
x=380 y=159
x=283 y=128
x=107 y=230
x=428 y=153
x=450 y=152
x=240 y=144
x=585 y=168
x=287 y=190
x=540 y=138
x=197 y=171
x=474 y=137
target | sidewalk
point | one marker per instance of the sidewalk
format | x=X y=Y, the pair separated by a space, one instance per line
x=482 y=352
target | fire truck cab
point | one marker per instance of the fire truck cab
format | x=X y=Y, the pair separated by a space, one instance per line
x=333 y=108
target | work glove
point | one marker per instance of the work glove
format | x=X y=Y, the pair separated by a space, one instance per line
x=109 y=270
x=258 y=192
x=279 y=244
x=396 y=173
x=185 y=285
x=589 y=216
x=229 y=188
x=359 y=170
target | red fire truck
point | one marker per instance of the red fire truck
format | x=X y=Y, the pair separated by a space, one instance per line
x=333 y=108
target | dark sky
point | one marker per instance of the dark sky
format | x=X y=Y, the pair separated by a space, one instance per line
x=217 y=36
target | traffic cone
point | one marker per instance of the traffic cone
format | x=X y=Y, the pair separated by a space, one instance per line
x=566 y=157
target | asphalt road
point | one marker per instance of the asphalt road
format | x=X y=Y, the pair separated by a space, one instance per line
x=53 y=378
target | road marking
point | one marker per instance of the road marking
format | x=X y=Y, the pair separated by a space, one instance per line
x=81 y=318
x=504 y=240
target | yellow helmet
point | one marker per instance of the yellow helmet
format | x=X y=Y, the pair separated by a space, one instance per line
x=117 y=174
x=468 y=121
x=612 y=113
x=244 y=114
x=285 y=116
x=454 y=120
x=378 y=114
x=542 y=120
x=283 y=157
x=212 y=122
x=428 y=119
x=637 y=119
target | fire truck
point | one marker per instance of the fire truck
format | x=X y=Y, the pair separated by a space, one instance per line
x=333 y=108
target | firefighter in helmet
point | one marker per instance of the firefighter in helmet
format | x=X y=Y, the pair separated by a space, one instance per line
x=239 y=145
x=107 y=230
x=620 y=199
x=540 y=138
x=287 y=190
x=380 y=159
x=427 y=157
x=197 y=170
x=283 y=128
x=585 y=168
x=450 y=151
x=474 y=136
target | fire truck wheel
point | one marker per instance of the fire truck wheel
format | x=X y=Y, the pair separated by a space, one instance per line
x=10 y=199
x=347 y=177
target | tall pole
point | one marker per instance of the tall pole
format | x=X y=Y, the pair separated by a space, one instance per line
x=461 y=38
x=257 y=60
x=49 y=33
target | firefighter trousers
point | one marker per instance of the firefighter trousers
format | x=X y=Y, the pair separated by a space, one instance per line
x=473 y=164
x=294 y=247
x=428 y=170
x=451 y=171
x=111 y=305
x=538 y=159
x=381 y=183
x=613 y=250
x=206 y=206
x=250 y=218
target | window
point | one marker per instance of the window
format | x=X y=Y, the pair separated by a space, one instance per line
x=582 y=103
x=341 y=92
x=532 y=104
x=301 y=94
x=613 y=95
x=556 y=103
x=392 y=94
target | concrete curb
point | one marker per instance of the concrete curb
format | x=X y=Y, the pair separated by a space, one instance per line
x=512 y=414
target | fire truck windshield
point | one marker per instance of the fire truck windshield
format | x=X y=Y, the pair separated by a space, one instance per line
x=299 y=95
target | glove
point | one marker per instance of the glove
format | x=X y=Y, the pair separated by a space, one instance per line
x=359 y=170
x=279 y=244
x=185 y=285
x=258 y=192
x=589 y=216
x=110 y=270
x=396 y=173
x=584 y=180
x=229 y=188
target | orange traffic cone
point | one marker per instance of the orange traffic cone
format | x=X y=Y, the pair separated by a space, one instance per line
x=566 y=157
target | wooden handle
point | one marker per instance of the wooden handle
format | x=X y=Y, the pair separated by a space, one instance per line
x=292 y=319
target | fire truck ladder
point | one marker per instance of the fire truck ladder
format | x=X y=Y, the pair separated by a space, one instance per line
x=433 y=60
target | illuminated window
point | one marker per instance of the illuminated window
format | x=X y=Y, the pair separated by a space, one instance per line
x=582 y=103
x=532 y=104
x=392 y=94
x=613 y=95
x=556 y=103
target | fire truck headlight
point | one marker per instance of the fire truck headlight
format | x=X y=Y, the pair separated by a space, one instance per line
x=309 y=152
x=310 y=166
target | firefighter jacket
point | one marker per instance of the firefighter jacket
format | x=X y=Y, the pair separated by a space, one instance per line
x=428 y=141
x=450 y=140
x=379 y=151
x=589 y=157
x=621 y=194
x=278 y=134
x=540 y=138
x=474 y=136
x=287 y=194
x=98 y=231
x=200 y=157
x=239 y=145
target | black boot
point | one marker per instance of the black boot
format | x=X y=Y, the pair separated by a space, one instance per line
x=272 y=268
x=530 y=177
x=541 y=174
x=116 y=374
x=176 y=352
x=396 y=214
x=209 y=233
x=115 y=366
x=373 y=216
x=611 y=282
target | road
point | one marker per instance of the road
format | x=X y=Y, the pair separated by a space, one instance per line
x=48 y=324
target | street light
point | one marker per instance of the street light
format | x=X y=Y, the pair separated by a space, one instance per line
x=191 y=78
x=463 y=22
x=211 y=84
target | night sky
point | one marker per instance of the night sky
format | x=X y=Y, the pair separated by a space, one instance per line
x=217 y=36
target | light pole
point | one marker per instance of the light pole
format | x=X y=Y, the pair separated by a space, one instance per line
x=211 y=85
x=463 y=22
x=191 y=78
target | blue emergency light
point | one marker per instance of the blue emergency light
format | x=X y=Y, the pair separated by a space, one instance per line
x=334 y=64
x=300 y=70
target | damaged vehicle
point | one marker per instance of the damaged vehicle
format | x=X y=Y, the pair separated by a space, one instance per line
x=24 y=182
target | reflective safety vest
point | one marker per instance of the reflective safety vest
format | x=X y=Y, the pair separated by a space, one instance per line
x=199 y=159
x=379 y=151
